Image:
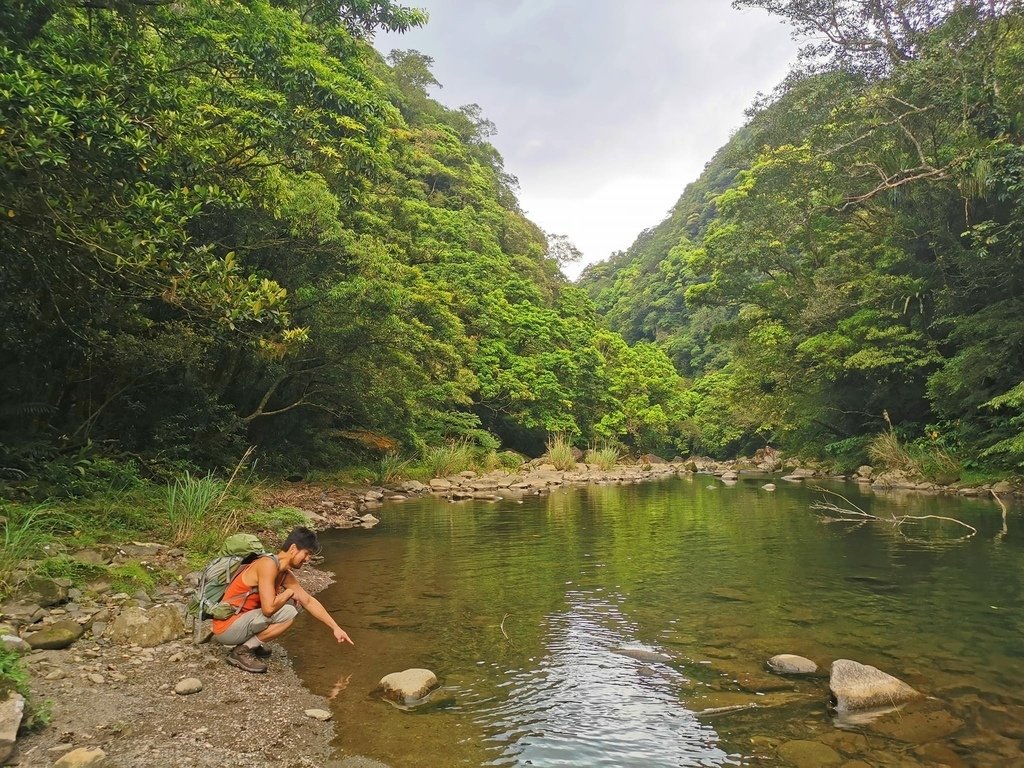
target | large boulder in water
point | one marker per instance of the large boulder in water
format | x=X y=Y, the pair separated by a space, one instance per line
x=860 y=686
x=408 y=687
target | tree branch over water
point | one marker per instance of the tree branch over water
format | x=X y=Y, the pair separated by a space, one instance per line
x=854 y=514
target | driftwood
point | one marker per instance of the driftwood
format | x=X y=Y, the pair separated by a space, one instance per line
x=1002 y=506
x=854 y=514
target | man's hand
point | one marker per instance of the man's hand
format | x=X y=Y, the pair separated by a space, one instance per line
x=342 y=636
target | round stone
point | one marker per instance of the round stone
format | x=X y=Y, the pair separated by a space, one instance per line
x=188 y=685
x=790 y=664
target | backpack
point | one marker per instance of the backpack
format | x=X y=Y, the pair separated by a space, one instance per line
x=237 y=551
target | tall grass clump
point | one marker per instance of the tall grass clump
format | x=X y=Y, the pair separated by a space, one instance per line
x=448 y=459
x=389 y=468
x=930 y=461
x=560 y=453
x=887 y=451
x=198 y=511
x=192 y=506
x=24 y=532
x=603 y=457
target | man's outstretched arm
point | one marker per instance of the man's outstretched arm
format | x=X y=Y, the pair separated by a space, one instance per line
x=315 y=609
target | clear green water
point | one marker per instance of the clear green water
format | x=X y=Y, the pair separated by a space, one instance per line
x=711 y=579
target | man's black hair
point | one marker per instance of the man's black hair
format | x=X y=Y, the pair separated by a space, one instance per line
x=303 y=538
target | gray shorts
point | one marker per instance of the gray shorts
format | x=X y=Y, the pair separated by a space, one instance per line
x=251 y=623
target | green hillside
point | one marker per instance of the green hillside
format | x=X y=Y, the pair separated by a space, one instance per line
x=849 y=263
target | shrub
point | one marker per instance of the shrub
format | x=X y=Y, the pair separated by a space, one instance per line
x=561 y=453
x=511 y=460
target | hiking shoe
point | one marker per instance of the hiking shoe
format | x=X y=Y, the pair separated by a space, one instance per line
x=262 y=652
x=243 y=658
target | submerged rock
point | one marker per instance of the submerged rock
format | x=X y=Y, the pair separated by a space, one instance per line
x=808 y=754
x=918 y=727
x=860 y=686
x=409 y=686
x=790 y=664
x=644 y=654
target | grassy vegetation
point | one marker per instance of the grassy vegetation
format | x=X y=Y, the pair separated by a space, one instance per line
x=389 y=468
x=561 y=453
x=604 y=457
x=449 y=459
x=26 y=530
x=279 y=520
x=932 y=462
x=14 y=677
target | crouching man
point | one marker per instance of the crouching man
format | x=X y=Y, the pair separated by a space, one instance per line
x=268 y=592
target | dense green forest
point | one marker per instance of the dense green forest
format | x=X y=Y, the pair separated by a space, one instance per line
x=235 y=223
x=849 y=265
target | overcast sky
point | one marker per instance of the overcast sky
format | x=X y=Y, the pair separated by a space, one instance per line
x=605 y=109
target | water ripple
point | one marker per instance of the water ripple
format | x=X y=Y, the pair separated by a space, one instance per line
x=586 y=704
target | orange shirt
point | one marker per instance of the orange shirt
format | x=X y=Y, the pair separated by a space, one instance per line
x=233 y=595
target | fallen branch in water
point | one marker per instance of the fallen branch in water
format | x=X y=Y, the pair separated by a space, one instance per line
x=1002 y=507
x=503 y=627
x=854 y=514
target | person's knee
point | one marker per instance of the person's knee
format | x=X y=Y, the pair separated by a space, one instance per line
x=284 y=615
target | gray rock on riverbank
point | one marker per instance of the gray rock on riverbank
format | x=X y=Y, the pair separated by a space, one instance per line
x=11 y=712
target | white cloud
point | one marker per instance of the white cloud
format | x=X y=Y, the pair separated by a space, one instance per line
x=605 y=110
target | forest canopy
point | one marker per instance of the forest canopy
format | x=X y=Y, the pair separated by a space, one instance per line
x=235 y=223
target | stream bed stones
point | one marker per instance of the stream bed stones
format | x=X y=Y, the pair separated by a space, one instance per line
x=409 y=687
x=855 y=686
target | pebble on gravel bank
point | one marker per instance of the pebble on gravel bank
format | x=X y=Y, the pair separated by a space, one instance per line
x=188 y=685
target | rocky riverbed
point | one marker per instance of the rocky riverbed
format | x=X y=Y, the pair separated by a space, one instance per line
x=133 y=694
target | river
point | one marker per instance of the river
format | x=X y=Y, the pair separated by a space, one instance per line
x=598 y=625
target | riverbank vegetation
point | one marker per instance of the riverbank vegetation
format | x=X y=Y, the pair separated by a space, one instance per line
x=844 y=278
